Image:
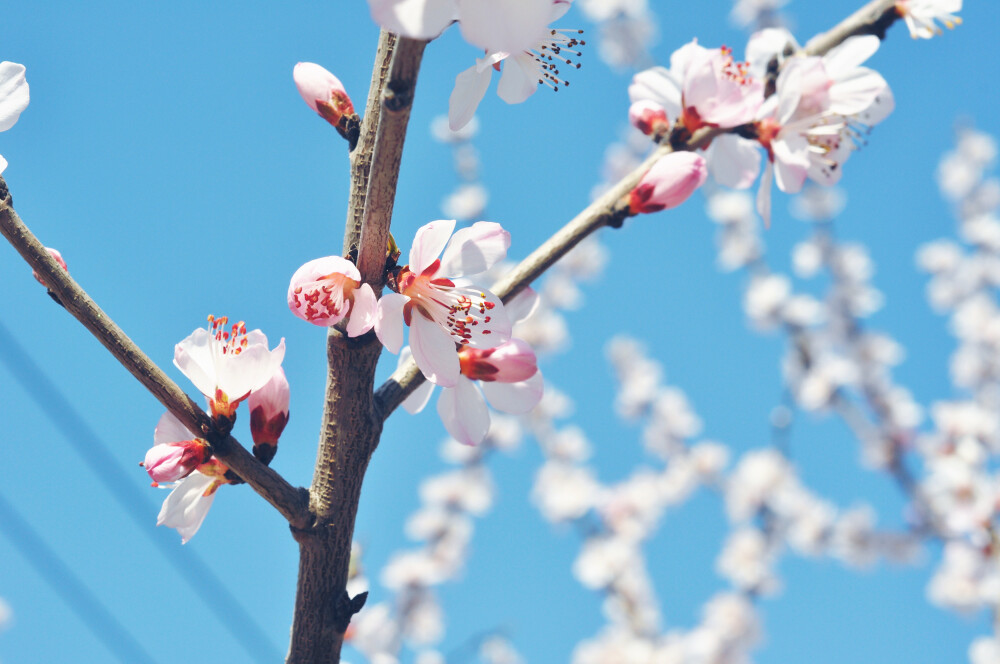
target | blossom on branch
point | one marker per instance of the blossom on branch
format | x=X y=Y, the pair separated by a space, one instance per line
x=325 y=290
x=922 y=16
x=322 y=91
x=14 y=97
x=176 y=452
x=440 y=312
x=671 y=180
x=269 y=415
x=226 y=365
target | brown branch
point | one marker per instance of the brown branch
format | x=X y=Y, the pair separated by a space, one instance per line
x=283 y=496
x=350 y=431
x=872 y=19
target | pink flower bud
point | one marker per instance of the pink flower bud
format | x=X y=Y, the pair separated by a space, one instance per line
x=510 y=362
x=323 y=91
x=668 y=183
x=170 y=462
x=58 y=258
x=269 y=415
x=648 y=117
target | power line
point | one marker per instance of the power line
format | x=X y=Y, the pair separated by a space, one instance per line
x=202 y=580
x=84 y=603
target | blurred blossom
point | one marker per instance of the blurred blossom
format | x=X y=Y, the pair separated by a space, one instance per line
x=817 y=203
x=444 y=134
x=465 y=203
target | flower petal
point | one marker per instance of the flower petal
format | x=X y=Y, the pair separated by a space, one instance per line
x=463 y=412
x=519 y=79
x=417 y=19
x=504 y=25
x=428 y=243
x=362 y=311
x=14 y=95
x=419 y=397
x=475 y=249
x=515 y=398
x=764 y=194
x=170 y=430
x=849 y=55
x=193 y=356
x=187 y=505
x=434 y=351
x=522 y=305
x=734 y=161
x=389 y=321
x=470 y=86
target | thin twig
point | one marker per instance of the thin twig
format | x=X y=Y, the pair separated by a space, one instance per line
x=283 y=496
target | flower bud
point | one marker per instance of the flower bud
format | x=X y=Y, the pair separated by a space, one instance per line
x=671 y=180
x=323 y=91
x=170 y=462
x=58 y=258
x=648 y=117
x=324 y=290
x=269 y=415
x=511 y=362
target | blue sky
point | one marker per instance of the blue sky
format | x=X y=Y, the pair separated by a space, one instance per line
x=168 y=155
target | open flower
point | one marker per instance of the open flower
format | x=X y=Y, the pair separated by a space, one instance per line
x=176 y=452
x=440 y=312
x=523 y=71
x=922 y=16
x=269 y=415
x=325 y=290
x=14 y=97
x=226 y=364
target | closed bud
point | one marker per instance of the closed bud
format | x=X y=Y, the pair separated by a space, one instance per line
x=58 y=258
x=510 y=362
x=170 y=462
x=649 y=117
x=671 y=180
x=325 y=94
x=269 y=415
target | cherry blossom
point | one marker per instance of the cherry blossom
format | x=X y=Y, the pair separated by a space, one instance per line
x=14 y=97
x=523 y=70
x=492 y=25
x=269 y=415
x=189 y=501
x=922 y=16
x=322 y=91
x=439 y=312
x=671 y=180
x=325 y=290
x=226 y=365
x=176 y=452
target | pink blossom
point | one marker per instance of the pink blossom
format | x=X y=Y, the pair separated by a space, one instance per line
x=441 y=313
x=14 y=97
x=269 y=415
x=225 y=364
x=322 y=91
x=176 y=452
x=671 y=180
x=58 y=259
x=648 y=117
x=325 y=290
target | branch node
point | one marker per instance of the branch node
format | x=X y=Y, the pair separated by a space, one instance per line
x=345 y=607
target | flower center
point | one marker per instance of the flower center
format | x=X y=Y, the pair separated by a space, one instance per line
x=231 y=341
x=548 y=53
x=327 y=297
x=437 y=299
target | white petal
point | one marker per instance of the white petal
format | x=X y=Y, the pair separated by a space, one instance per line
x=389 y=321
x=523 y=305
x=504 y=25
x=428 y=243
x=764 y=194
x=419 y=397
x=186 y=506
x=362 y=311
x=659 y=85
x=170 y=430
x=515 y=398
x=464 y=413
x=766 y=44
x=418 y=19
x=474 y=249
x=850 y=54
x=13 y=94
x=519 y=79
x=791 y=163
x=194 y=358
x=734 y=161
x=470 y=86
x=856 y=92
x=434 y=351
x=3 y=164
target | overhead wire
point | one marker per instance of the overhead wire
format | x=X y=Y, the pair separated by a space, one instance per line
x=199 y=576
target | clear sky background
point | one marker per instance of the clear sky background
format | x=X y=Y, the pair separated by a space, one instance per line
x=168 y=155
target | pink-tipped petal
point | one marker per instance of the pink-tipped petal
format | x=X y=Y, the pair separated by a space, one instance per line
x=671 y=180
x=429 y=242
x=363 y=311
x=389 y=321
x=475 y=249
x=463 y=412
x=434 y=351
x=170 y=430
x=515 y=398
